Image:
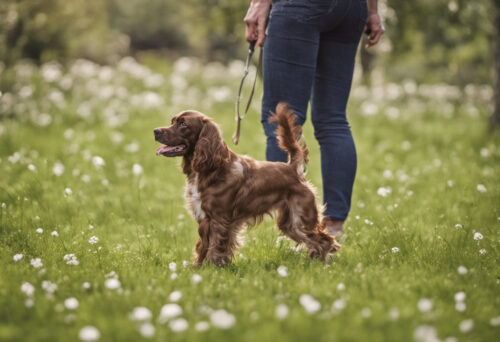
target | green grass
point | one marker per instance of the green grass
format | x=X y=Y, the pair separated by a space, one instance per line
x=432 y=151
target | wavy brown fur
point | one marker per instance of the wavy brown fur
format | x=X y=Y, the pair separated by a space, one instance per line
x=225 y=191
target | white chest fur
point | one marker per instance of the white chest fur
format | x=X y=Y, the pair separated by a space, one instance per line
x=194 y=199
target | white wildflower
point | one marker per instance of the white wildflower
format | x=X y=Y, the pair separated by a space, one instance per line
x=222 y=319
x=395 y=250
x=137 y=169
x=495 y=321
x=460 y=306
x=462 y=270
x=71 y=259
x=169 y=311
x=424 y=305
x=54 y=233
x=339 y=305
x=175 y=296
x=36 y=262
x=49 y=286
x=32 y=167
x=28 y=289
x=460 y=296
x=202 y=326
x=147 y=329
x=478 y=236
x=340 y=287
x=466 y=325
x=366 y=312
x=173 y=276
x=283 y=271
x=425 y=333
x=140 y=314
x=281 y=311
x=384 y=192
x=68 y=191
x=39 y=230
x=178 y=325
x=98 y=162
x=196 y=278
x=172 y=266
x=93 y=240
x=112 y=284
x=394 y=314
x=481 y=188
x=17 y=257
x=89 y=334
x=310 y=304
x=482 y=251
x=71 y=303
x=86 y=285
x=58 y=169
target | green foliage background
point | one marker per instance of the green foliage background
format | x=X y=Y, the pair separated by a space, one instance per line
x=427 y=40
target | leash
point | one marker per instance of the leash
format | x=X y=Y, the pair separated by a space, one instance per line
x=239 y=116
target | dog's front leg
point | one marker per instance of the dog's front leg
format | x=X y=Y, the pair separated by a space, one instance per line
x=222 y=244
x=202 y=244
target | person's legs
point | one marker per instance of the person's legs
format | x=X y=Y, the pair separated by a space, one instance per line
x=332 y=84
x=289 y=62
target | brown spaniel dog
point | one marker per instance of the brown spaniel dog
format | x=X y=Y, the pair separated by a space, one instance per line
x=225 y=191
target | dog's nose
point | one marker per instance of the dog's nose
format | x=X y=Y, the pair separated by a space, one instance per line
x=157 y=132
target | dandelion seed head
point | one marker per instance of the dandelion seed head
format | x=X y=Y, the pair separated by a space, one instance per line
x=222 y=319
x=283 y=271
x=466 y=325
x=310 y=304
x=202 y=326
x=71 y=303
x=175 y=296
x=281 y=311
x=141 y=313
x=424 y=305
x=112 y=284
x=147 y=329
x=196 y=278
x=169 y=311
x=178 y=325
x=89 y=334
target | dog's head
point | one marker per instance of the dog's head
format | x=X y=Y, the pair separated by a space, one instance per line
x=194 y=135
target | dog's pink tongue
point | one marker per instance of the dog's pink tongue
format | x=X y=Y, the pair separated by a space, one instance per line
x=162 y=149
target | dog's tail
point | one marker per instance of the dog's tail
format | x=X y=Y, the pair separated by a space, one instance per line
x=288 y=134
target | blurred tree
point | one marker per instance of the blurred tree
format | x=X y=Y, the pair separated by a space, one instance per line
x=56 y=29
x=449 y=38
x=495 y=117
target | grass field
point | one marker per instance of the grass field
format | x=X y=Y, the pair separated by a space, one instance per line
x=82 y=190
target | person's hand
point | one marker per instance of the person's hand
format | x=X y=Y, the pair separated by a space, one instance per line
x=374 y=29
x=256 y=19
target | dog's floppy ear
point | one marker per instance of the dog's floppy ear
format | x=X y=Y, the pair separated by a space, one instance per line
x=210 y=152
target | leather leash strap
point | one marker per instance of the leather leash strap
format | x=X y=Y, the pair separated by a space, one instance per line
x=239 y=116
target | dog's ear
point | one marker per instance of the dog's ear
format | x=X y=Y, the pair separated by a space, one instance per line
x=210 y=152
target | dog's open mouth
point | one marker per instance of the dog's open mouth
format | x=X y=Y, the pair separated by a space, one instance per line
x=170 y=151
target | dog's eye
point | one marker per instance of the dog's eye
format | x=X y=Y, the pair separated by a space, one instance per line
x=182 y=124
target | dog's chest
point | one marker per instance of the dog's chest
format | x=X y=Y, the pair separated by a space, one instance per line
x=194 y=198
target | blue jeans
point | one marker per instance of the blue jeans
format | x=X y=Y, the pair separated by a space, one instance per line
x=309 y=55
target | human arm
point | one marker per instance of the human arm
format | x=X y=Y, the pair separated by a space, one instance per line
x=256 y=19
x=373 y=28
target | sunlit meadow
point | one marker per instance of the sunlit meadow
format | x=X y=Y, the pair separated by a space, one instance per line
x=95 y=242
